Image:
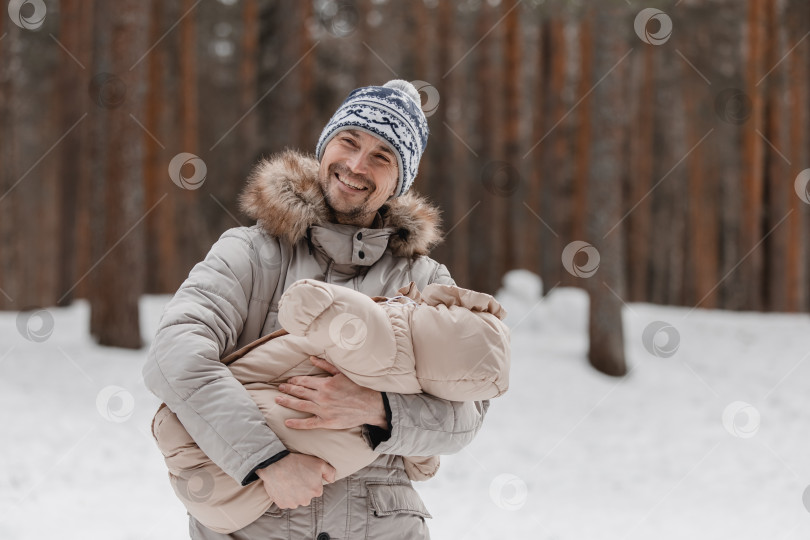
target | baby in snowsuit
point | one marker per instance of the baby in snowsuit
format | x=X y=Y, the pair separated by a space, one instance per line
x=445 y=341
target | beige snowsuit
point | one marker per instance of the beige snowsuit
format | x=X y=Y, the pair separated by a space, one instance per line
x=445 y=341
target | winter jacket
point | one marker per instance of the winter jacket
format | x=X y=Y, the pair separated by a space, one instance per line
x=447 y=341
x=230 y=299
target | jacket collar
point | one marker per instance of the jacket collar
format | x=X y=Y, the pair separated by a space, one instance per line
x=284 y=196
x=349 y=245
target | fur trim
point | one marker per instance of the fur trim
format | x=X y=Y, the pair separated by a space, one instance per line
x=284 y=195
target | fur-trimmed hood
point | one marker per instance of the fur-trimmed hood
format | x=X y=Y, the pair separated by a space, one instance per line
x=284 y=196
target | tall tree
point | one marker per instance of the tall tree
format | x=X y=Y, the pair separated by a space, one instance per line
x=640 y=174
x=778 y=188
x=753 y=157
x=725 y=147
x=798 y=117
x=9 y=51
x=120 y=91
x=605 y=179
x=71 y=74
x=29 y=201
x=512 y=190
x=486 y=141
x=552 y=146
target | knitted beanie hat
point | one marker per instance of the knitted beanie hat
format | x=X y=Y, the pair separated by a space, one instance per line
x=393 y=113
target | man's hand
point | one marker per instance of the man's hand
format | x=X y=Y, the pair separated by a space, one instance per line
x=336 y=401
x=296 y=479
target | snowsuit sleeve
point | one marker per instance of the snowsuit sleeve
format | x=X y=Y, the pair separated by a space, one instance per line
x=199 y=326
x=424 y=425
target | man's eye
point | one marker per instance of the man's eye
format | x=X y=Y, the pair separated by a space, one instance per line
x=350 y=141
x=382 y=158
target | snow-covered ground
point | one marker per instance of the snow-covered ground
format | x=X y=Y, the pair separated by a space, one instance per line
x=707 y=437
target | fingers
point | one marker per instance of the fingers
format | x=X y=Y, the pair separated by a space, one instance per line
x=312 y=422
x=297 y=391
x=308 y=381
x=328 y=473
x=297 y=404
x=324 y=365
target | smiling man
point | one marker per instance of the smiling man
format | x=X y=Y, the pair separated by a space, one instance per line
x=358 y=173
x=347 y=218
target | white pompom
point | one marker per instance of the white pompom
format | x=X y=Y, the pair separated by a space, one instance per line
x=406 y=87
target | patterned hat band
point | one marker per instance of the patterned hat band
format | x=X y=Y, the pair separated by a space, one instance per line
x=393 y=113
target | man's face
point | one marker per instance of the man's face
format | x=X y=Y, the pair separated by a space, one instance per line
x=358 y=173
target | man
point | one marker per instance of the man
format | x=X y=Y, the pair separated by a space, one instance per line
x=346 y=219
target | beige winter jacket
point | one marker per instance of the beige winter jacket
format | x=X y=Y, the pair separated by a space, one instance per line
x=230 y=299
x=447 y=341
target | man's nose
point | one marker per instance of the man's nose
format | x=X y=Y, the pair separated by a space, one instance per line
x=357 y=162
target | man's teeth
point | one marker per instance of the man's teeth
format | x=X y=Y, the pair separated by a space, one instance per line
x=347 y=183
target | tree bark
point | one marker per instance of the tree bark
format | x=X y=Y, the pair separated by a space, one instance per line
x=605 y=179
x=121 y=268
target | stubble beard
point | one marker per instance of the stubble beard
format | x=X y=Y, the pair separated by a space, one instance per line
x=351 y=216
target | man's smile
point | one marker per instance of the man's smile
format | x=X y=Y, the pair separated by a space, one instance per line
x=349 y=184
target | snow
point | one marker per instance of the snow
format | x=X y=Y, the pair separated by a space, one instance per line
x=706 y=439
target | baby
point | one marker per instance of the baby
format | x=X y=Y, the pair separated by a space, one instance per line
x=445 y=341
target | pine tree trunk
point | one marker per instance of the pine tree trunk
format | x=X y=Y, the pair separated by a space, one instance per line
x=121 y=268
x=609 y=120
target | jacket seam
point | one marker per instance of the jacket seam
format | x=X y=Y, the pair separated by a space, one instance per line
x=185 y=402
x=203 y=288
x=232 y=233
x=435 y=272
